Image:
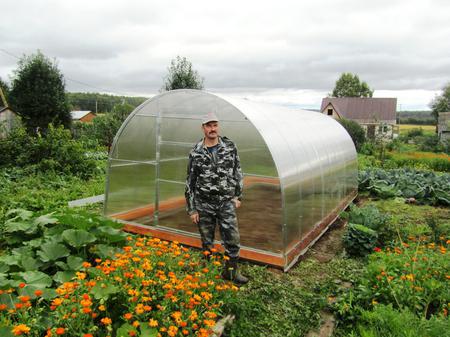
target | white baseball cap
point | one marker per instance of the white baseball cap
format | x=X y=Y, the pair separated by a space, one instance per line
x=209 y=117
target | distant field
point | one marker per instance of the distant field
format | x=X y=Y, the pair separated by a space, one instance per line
x=427 y=128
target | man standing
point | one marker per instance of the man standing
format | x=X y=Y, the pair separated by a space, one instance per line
x=213 y=192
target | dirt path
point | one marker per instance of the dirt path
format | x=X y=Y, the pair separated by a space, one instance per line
x=323 y=251
x=329 y=245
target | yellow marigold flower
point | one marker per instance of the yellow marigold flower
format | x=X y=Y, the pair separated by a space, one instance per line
x=410 y=277
x=102 y=308
x=20 y=329
x=153 y=323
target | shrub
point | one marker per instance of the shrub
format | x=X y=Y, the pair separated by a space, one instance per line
x=359 y=240
x=355 y=131
x=415 y=132
x=55 y=150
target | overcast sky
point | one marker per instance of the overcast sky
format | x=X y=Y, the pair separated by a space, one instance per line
x=283 y=52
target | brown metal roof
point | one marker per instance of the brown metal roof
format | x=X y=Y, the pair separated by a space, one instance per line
x=363 y=109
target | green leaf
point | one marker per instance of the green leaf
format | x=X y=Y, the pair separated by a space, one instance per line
x=37 y=279
x=20 y=213
x=62 y=265
x=35 y=243
x=45 y=220
x=64 y=276
x=112 y=234
x=10 y=260
x=4 y=268
x=19 y=226
x=104 y=290
x=78 y=237
x=52 y=252
x=147 y=331
x=28 y=263
x=6 y=331
x=105 y=251
x=124 y=330
x=74 y=262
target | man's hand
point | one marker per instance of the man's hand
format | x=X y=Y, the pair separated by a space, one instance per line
x=195 y=218
x=237 y=202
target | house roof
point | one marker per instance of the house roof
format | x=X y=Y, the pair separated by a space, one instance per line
x=79 y=114
x=363 y=109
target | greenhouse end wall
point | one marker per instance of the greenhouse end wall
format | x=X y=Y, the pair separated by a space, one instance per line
x=299 y=171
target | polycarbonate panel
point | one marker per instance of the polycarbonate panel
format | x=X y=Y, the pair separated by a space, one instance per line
x=138 y=130
x=173 y=169
x=172 y=207
x=131 y=186
x=255 y=157
x=261 y=215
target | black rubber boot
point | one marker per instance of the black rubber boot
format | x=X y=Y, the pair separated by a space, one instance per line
x=231 y=272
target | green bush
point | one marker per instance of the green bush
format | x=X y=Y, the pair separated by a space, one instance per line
x=355 y=131
x=359 y=240
x=55 y=150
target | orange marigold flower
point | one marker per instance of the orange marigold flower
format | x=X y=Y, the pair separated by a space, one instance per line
x=87 y=310
x=209 y=322
x=22 y=285
x=60 y=331
x=88 y=335
x=87 y=264
x=128 y=316
x=185 y=332
x=20 y=329
x=106 y=321
x=18 y=305
x=3 y=307
x=24 y=299
x=38 y=293
x=135 y=324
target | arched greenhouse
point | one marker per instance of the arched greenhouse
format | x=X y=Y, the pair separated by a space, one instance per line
x=300 y=171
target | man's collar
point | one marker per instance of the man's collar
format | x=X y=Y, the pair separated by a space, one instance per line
x=202 y=142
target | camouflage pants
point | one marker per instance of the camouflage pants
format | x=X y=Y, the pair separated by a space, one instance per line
x=224 y=215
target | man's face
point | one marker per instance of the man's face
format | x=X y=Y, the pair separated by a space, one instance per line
x=211 y=130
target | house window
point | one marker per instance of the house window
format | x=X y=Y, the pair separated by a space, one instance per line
x=330 y=112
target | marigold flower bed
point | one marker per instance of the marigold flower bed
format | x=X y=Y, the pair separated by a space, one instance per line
x=154 y=288
x=415 y=275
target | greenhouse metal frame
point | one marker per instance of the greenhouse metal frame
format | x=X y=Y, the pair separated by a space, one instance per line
x=300 y=172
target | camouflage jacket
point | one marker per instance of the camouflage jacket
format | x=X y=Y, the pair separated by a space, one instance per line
x=213 y=179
